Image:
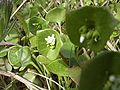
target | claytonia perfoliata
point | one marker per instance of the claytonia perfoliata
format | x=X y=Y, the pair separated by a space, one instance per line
x=82 y=38
x=112 y=78
x=50 y=41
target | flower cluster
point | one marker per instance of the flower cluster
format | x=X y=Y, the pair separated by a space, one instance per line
x=51 y=41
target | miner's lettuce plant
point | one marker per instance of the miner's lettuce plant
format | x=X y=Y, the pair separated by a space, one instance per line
x=60 y=45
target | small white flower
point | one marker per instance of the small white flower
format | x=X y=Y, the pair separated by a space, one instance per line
x=112 y=78
x=82 y=38
x=33 y=24
x=50 y=40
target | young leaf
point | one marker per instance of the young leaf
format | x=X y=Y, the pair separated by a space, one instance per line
x=5 y=65
x=58 y=67
x=56 y=14
x=19 y=57
x=68 y=49
x=43 y=60
x=3 y=51
x=29 y=76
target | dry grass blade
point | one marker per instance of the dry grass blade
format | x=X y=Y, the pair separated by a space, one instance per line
x=29 y=84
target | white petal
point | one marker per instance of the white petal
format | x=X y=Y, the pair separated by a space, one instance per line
x=82 y=38
x=50 y=40
x=112 y=78
x=46 y=39
x=52 y=35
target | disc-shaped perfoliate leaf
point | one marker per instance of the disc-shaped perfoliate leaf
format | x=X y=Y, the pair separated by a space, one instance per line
x=90 y=27
x=19 y=57
x=49 y=43
x=58 y=67
x=56 y=14
x=95 y=74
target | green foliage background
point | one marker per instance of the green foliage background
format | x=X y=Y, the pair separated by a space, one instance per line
x=59 y=44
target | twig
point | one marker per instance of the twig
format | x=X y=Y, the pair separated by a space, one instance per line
x=48 y=79
x=81 y=3
x=105 y=2
x=7 y=44
x=23 y=80
x=24 y=1
x=111 y=46
x=95 y=2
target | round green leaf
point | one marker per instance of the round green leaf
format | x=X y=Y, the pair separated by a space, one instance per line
x=3 y=51
x=90 y=27
x=58 y=67
x=19 y=57
x=56 y=14
x=51 y=52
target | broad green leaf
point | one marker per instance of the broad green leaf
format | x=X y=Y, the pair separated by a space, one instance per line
x=13 y=57
x=22 y=22
x=90 y=27
x=3 y=52
x=1 y=62
x=74 y=74
x=43 y=60
x=12 y=38
x=4 y=64
x=33 y=41
x=68 y=49
x=19 y=57
x=8 y=67
x=56 y=14
x=50 y=51
x=13 y=35
x=36 y=23
x=58 y=67
x=29 y=76
x=117 y=7
x=96 y=73
x=30 y=10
